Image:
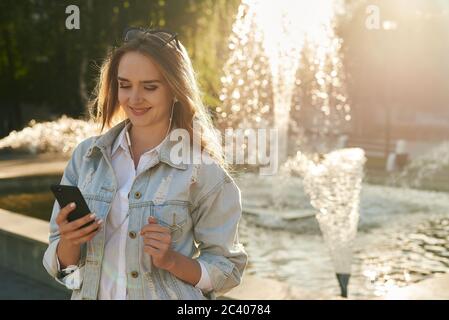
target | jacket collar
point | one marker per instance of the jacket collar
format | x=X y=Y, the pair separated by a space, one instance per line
x=105 y=142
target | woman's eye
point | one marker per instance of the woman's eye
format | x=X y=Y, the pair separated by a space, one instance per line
x=150 y=88
x=124 y=86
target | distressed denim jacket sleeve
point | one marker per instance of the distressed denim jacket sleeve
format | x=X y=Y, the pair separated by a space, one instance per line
x=70 y=177
x=216 y=217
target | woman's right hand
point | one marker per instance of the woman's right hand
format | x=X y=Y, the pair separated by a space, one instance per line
x=71 y=233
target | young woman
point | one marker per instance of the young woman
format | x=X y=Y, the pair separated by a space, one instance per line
x=164 y=229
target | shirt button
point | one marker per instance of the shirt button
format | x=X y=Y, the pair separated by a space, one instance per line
x=137 y=195
x=132 y=234
x=134 y=274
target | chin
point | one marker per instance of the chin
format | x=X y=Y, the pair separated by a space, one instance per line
x=141 y=122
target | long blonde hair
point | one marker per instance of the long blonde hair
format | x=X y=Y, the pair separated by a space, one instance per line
x=176 y=67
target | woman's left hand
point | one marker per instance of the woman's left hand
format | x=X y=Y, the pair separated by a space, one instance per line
x=157 y=240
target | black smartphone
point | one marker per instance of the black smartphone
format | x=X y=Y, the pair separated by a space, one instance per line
x=67 y=194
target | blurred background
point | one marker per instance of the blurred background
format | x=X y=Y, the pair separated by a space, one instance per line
x=342 y=74
x=396 y=75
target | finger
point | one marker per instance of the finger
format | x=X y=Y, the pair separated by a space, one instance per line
x=64 y=212
x=154 y=228
x=86 y=238
x=84 y=231
x=156 y=244
x=151 y=250
x=78 y=223
x=163 y=237
x=152 y=220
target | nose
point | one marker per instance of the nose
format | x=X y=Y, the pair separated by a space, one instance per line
x=135 y=97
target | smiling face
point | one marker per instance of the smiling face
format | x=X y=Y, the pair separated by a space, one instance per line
x=143 y=93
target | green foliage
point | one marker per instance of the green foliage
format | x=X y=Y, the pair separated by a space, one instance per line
x=49 y=67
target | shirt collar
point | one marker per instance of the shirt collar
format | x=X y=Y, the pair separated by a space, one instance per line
x=106 y=141
x=120 y=141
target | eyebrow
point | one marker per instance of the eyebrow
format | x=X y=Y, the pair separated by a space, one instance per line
x=145 y=81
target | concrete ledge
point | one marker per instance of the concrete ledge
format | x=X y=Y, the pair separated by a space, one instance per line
x=22 y=226
x=44 y=164
x=18 y=287
x=23 y=241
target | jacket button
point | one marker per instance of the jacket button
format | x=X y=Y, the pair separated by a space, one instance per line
x=137 y=195
x=132 y=234
x=134 y=274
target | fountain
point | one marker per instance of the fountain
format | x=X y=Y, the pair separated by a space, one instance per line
x=60 y=136
x=333 y=183
x=427 y=170
x=286 y=54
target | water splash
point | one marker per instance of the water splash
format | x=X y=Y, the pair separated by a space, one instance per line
x=246 y=94
x=334 y=181
x=424 y=170
x=283 y=55
x=60 y=136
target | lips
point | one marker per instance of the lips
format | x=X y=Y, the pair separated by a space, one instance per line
x=139 y=111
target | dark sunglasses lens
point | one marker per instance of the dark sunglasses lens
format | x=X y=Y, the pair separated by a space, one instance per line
x=132 y=34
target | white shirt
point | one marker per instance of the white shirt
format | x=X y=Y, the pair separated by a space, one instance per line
x=113 y=272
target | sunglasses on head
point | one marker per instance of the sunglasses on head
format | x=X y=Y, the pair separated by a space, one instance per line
x=133 y=33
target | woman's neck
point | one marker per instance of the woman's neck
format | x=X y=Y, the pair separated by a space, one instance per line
x=146 y=138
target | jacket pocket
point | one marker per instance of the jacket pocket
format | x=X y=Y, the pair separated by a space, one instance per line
x=97 y=204
x=175 y=216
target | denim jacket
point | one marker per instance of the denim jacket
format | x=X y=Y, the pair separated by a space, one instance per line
x=202 y=199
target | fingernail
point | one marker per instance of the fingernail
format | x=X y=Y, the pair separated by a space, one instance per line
x=100 y=221
x=92 y=215
x=72 y=205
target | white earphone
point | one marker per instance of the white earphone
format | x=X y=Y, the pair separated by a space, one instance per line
x=171 y=114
